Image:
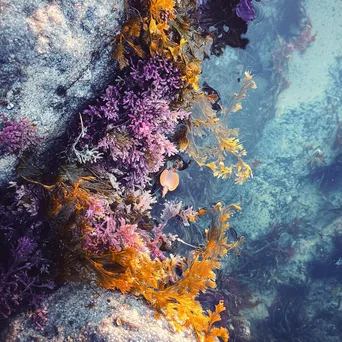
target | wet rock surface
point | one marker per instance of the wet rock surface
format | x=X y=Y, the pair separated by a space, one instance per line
x=55 y=56
x=77 y=313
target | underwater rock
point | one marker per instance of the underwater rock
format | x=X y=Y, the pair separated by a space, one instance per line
x=77 y=313
x=329 y=177
x=54 y=57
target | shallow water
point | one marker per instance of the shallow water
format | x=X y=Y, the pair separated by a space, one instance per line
x=289 y=265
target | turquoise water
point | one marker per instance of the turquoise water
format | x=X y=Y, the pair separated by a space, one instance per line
x=285 y=285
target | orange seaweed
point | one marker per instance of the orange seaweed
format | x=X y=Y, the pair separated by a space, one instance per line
x=175 y=299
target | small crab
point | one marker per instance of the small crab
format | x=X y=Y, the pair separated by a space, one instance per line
x=317 y=159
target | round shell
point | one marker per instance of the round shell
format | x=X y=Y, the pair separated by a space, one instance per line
x=169 y=179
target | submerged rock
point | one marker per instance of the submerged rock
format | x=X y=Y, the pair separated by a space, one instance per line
x=55 y=56
x=77 y=313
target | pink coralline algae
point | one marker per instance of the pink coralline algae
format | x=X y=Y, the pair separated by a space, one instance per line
x=16 y=137
x=114 y=234
x=132 y=123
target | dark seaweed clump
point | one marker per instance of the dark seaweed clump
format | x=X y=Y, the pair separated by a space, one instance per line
x=260 y=258
x=219 y=18
x=288 y=320
x=329 y=267
x=329 y=177
x=25 y=242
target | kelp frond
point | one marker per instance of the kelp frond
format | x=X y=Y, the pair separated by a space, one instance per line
x=157 y=281
x=212 y=333
x=235 y=102
x=205 y=121
x=128 y=40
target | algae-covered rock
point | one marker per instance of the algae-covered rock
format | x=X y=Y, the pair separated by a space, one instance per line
x=77 y=313
x=55 y=56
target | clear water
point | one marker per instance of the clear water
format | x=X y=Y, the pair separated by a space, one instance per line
x=285 y=285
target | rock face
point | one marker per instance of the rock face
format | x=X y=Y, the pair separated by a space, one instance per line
x=77 y=313
x=55 y=55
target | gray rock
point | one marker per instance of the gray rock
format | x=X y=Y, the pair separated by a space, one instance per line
x=7 y=165
x=55 y=56
x=77 y=313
